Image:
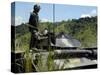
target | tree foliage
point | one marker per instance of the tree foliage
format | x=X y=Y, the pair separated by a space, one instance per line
x=82 y=29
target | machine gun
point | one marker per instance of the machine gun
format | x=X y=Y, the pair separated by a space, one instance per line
x=71 y=52
x=90 y=54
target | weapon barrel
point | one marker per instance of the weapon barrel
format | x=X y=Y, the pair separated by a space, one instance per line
x=91 y=54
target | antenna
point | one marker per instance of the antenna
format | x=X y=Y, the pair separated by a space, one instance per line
x=54 y=18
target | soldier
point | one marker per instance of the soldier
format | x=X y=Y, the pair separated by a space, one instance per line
x=33 y=28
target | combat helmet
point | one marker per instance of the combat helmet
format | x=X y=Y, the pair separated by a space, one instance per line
x=36 y=7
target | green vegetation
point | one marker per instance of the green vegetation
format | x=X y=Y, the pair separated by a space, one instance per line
x=82 y=29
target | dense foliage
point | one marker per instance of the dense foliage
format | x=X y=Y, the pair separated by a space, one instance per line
x=82 y=29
